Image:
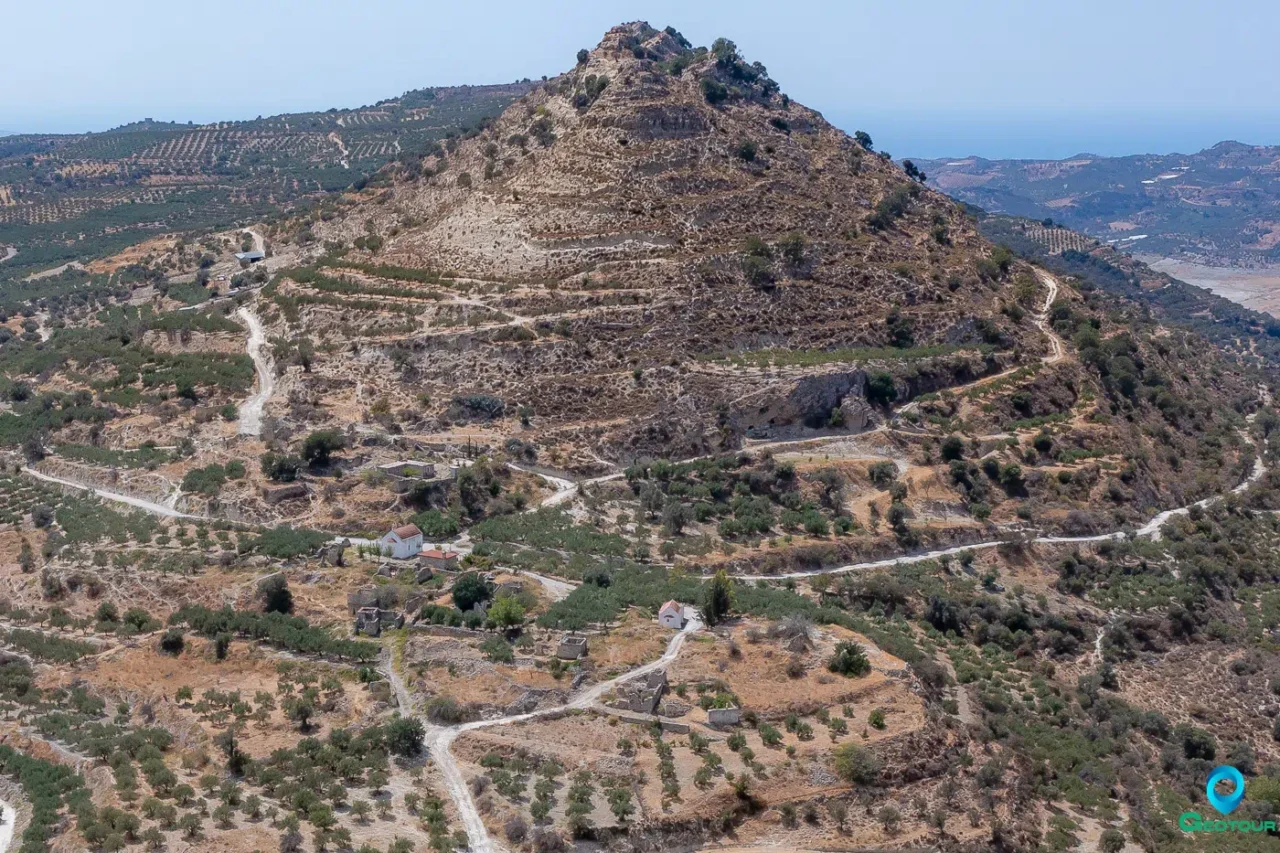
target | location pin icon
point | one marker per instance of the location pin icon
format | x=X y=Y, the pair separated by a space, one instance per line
x=1225 y=803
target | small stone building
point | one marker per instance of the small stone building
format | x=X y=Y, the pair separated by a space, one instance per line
x=572 y=647
x=508 y=587
x=730 y=716
x=446 y=561
x=372 y=620
x=642 y=694
x=272 y=495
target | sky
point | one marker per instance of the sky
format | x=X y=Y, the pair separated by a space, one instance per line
x=926 y=78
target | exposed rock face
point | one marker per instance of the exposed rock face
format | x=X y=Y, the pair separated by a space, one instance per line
x=809 y=405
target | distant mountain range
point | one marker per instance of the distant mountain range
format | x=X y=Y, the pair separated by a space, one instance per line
x=1220 y=206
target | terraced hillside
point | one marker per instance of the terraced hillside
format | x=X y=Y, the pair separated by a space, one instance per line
x=101 y=191
x=620 y=240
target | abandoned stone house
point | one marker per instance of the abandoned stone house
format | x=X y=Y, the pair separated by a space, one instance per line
x=508 y=587
x=427 y=478
x=572 y=647
x=371 y=620
x=718 y=717
x=272 y=495
x=642 y=694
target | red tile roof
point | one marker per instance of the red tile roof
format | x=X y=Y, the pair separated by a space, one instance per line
x=439 y=555
x=408 y=531
x=671 y=605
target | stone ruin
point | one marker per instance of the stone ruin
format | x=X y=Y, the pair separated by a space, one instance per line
x=572 y=647
x=371 y=620
x=642 y=694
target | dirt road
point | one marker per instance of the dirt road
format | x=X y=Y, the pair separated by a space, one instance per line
x=7 y=815
x=439 y=738
x=251 y=409
x=138 y=503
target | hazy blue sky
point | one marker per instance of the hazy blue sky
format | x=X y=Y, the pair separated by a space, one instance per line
x=924 y=77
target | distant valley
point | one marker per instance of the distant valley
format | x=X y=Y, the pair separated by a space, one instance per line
x=1218 y=207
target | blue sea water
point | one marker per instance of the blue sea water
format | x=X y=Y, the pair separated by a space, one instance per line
x=1046 y=136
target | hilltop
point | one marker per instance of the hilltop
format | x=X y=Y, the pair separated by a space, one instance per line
x=621 y=236
x=1216 y=207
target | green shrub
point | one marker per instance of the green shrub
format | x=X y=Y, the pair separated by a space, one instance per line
x=856 y=764
x=849 y=659
x=284 y=542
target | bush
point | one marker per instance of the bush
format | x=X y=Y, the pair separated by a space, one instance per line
x=849 y=660
x=880 y=389
x=320 y=446
x=404 y=737
x=280 y=468
x=435 y=524
x=284 y=542
x=206 y=481
x=497 y=650
x=275 y=594
x=506 y=612
x=1196 y=743
x=714 y=91
x=892 y=206
x=856 y=764
x=172 y=643
x=516 y=829
x=469 y=590
x=882 y=474
x=445 y=710
x=745 y=150
x=290 y=632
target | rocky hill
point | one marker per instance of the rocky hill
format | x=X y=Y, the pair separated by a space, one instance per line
x=647 y=220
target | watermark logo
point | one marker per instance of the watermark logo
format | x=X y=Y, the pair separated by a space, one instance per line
x=1225 y=804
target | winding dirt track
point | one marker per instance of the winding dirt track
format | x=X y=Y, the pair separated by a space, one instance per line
x=439 y=738
x=252 y=408
x=129 y=500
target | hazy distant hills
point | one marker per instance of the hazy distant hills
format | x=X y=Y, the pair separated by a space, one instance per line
x=1218 y=206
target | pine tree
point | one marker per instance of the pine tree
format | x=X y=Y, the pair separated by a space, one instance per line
x=717 y=598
